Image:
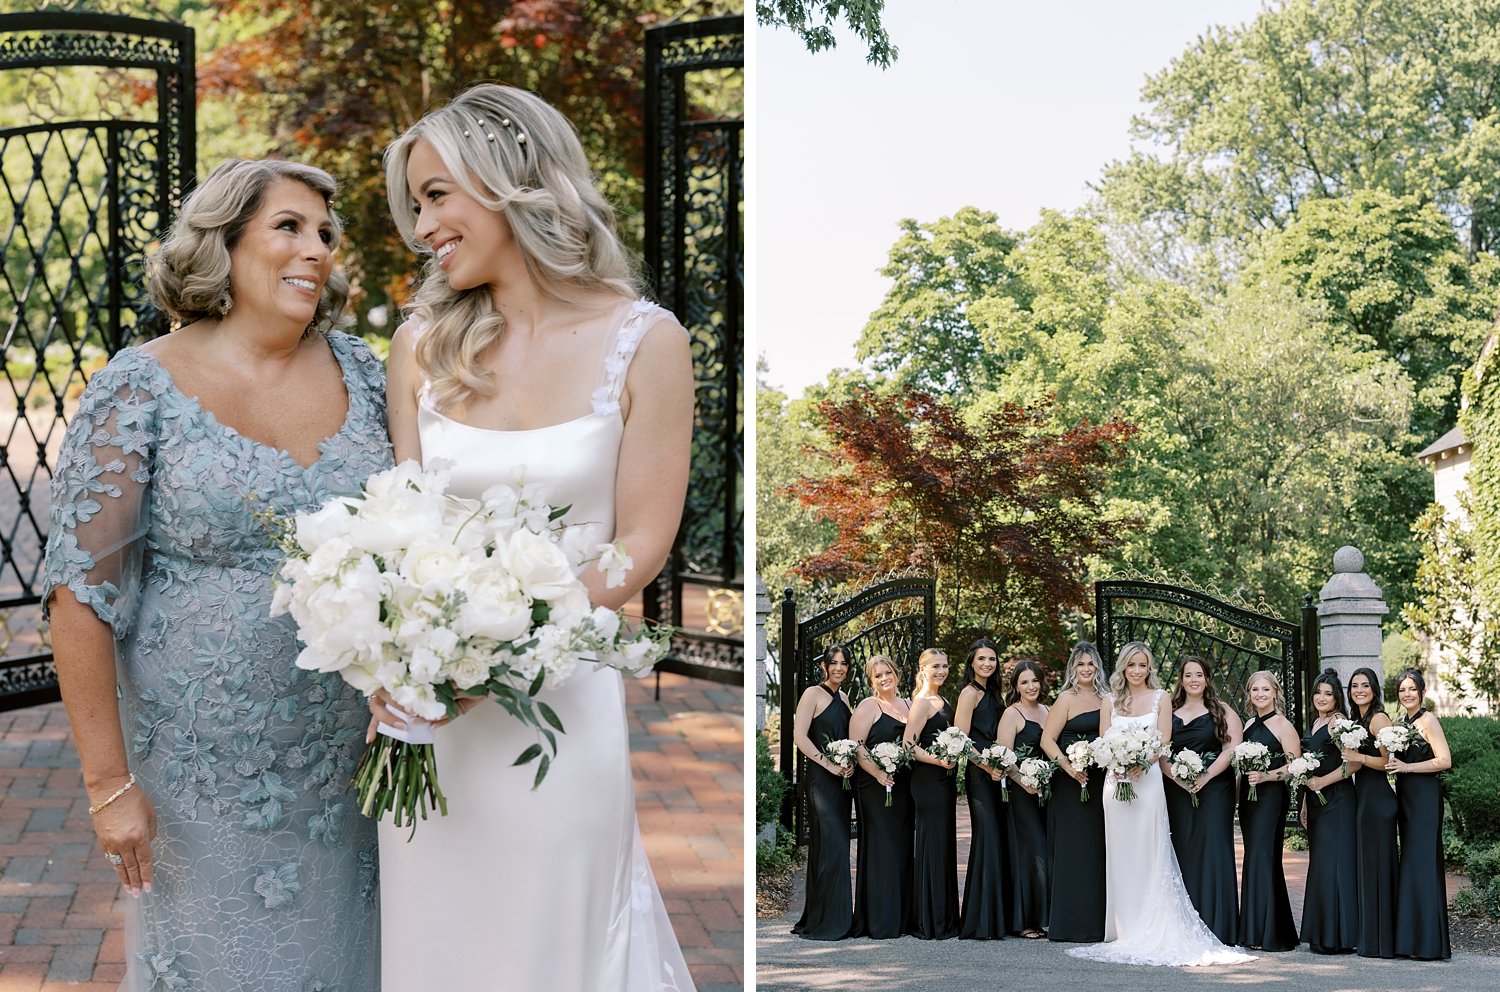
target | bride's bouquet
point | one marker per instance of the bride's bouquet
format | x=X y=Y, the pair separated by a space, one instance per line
x=1251 y=756
x=1300 y=769
x=1124 y=748
x=1036 y=773
x=891 y=756
x=843 y=753
x=1187 y=765
x=1396 y=738
x=433 y=598
x=1000 y=758
x=1349 y=736
x=1081 y=756
x=951 y=744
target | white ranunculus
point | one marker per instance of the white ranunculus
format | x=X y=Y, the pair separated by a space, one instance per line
x=538 y=564
x=469 y=670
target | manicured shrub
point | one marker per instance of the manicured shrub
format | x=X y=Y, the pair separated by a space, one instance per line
x=1482 y=897
x=770 y=785
x=1474 y=797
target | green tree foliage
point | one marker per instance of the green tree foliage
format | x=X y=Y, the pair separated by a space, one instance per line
x=1316 y=99
x=814 y=20
x=1004 y=510
x=1447 y=607
x=1481 y=424
x=784 y=529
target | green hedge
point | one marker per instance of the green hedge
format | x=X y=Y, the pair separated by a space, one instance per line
x=1482 y=897
x=770 y=785
x=1473 y=783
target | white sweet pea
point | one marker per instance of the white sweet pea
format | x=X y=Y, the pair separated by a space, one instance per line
x=606 y=622
x=614 y=563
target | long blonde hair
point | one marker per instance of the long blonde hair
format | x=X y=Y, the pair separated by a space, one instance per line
x=1279 y=705
x=516 y=154
x=1082 y=650
x=924 y=661
x=1117 y=682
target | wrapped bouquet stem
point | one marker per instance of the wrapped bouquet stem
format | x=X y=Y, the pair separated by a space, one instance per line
x=428 y=598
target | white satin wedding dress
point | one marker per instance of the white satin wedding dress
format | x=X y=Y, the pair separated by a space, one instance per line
x=548 y=890
x=1148 y=917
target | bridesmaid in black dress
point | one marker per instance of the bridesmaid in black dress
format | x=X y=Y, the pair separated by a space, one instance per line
x=1421 y=882
x=1375 y=845
x=934 y=796
x=823 y=716
x=1330 y=906
x=987 y=886
x=882 y=876
x=1265 y=909
x=1075 y=828
x=1021 y=727
x=1203 y=836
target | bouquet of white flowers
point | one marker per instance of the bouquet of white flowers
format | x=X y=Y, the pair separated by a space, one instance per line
x=1300 y=769
x=951 y=744
x=891 y=756
x=1126 y=747
x=431 y=597
x=1251 y=756
x=1081 y=756
x=843 y=753
x=1188 y=764
x=1036 y=773
x=1396 y=738
x=1348 y=735
x=1002 y=759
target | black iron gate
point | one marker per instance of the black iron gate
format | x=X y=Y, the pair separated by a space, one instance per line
x=897 y=618
x=695 y=258
x=1236 y=639
x=94 y=154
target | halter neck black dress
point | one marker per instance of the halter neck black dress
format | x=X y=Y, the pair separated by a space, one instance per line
x=828 y=911
x=1421 y=882
x=987 y=883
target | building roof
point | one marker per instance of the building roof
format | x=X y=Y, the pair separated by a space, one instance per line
x=1453 y=439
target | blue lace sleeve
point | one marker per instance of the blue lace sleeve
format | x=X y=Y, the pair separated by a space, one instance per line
x=100 y=508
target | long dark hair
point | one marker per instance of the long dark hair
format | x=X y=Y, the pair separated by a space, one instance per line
x=1210 y=696
x=1377 y=700
x=992 y=685
x=1012 y=693
x=1415 y=676
x=1330 y=678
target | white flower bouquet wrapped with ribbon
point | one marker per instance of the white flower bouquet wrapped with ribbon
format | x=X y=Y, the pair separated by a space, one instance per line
x=1081 y=756
x=1251 y=756
x=1124 y=748
x=844 y=753
x=951 y=744
x=433 y=598
x=891 y=756
x=1348 y=735
x=1002 y=759
x=1300 y=769
x=1187 y=765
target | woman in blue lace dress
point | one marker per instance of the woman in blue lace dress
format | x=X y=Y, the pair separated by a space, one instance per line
x=218 y=776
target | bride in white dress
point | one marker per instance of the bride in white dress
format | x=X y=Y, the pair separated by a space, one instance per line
x=528 y=355
x=1148 y=917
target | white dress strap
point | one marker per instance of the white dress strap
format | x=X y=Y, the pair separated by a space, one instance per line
x=638 y=319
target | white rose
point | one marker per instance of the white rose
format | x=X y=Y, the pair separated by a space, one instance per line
x=470 y=670
x=434 y=565
x=539 y=565
x=494 y=606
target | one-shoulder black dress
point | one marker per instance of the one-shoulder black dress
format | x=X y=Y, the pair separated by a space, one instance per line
x=1421 y=882
x=1375 y=847
x=882 y=875
x=1075 y=845
x=1265 y=909
x=1203 y=836
x=1330 y=903
x=934 y=795
x=828 y=911
x=987 y=885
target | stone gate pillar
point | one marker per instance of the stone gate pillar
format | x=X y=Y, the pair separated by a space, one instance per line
x=1350 y=606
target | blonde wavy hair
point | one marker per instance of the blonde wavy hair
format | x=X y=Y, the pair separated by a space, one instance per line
x=1279 y=705
x=188 y=276
x=924 y=661
x=535 y=173
x=1082 y=650
x=1118 y=686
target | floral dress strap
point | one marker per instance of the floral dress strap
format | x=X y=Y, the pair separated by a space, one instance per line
x=638 y=319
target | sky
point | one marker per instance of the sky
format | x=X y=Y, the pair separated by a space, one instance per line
x=1011 y=106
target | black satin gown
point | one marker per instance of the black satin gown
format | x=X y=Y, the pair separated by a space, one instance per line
x=987 y=885
x=1330 y=903
x=1203 y=837
x=828 y=911
x=1421 y=881
x=1265 y=909
x=1075 y=845
x=1375 y=847
x=1028 y=831
x=934 y=796
x=882 y=875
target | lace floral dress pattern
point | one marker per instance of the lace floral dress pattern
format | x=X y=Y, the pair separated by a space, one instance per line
x=265 y=873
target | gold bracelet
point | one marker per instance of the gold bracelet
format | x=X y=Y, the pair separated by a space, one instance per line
x=115 y=795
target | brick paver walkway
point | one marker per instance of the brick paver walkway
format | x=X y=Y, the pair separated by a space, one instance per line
x=60 y=923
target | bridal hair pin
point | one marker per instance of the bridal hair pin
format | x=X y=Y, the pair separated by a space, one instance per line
x=489 y=135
